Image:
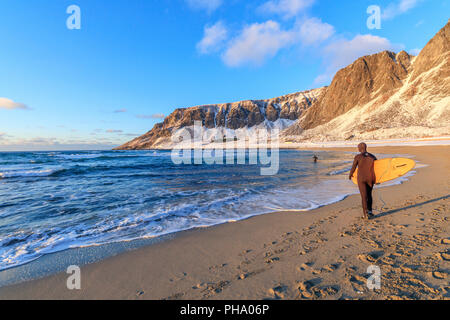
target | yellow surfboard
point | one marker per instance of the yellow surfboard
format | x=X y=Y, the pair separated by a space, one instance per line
x=389 y=169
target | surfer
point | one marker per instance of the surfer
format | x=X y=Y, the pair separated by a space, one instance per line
x=364 y=161
x=315 y=158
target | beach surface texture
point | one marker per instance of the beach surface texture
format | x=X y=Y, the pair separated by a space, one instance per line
x=324 y=253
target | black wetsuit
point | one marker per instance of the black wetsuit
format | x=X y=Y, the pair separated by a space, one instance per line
x=366 y=178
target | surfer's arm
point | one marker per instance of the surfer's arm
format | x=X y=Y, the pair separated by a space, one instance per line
x=355 y=164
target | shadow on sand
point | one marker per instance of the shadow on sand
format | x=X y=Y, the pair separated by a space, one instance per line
x=411 y=206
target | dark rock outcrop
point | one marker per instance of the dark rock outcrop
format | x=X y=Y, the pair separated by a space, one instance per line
x=357 y=84
x=236 y=115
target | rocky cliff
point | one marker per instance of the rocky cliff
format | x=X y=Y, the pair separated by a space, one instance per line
x=381 y=96
x=384 y=96
x=279 y=112
x=358 y=84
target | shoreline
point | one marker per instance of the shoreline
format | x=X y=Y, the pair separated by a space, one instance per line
x=170 y=281
x=324 y=145
x=55 y=262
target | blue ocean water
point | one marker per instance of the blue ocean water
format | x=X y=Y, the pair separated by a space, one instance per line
x=52 y=201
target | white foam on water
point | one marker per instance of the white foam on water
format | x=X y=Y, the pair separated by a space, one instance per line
x=27 y=173
x=194 y=208
x=80 y=156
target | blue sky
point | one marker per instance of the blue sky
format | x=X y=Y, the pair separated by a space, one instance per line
x=134 y=61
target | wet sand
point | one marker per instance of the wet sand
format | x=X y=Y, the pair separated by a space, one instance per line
x=319 y=254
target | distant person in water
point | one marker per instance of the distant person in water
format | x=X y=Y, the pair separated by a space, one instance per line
x=364 y=161
x=315 y=158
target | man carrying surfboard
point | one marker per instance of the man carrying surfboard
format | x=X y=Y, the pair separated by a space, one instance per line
x=364 y=161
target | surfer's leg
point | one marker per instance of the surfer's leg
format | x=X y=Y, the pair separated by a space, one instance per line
x=369 y=200
x=369 y=197
x=363 y=191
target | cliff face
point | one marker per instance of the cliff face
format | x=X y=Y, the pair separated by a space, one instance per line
x=359 y=83
x=237 y=115
x=384 y=95
x=434 y=54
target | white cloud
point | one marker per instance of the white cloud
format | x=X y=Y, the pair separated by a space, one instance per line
x=398 y=8
x=285 y=8
x=343 y=52
x=261 y=41
x=213 y=38
x=419 y=23
x=114 y=131
x=131 y=134
x=120 y=111
x=313 y=31
x=256 y=43
x=8 y=104
x=38 y=141
x=207 y=5
x=151 y=116
x=50 y=143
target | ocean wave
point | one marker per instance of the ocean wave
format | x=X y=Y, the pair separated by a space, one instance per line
x=27 y=173
x=79 y=156
x=110 y=155
x=337 y=172
x=109 y=171
x=91 y=202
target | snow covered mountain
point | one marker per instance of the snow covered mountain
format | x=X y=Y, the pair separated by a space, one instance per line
x=232 y=118
x=381 y=96
x=384 y=96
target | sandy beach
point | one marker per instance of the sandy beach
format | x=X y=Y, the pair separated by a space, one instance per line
x=318 y=254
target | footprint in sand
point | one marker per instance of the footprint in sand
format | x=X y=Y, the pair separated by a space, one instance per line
x=200 y=286
x=444 y=256
x=305 y=266
x=406 y=270
x=179 y=277
x=305 y=288
x=371 y=257
x=358 y=279
x=214 y=288
x=277 y=251
x=217 y=267
x=139 y=293
x=278 y=292
x=439 y=275
x=331 y=267
x=358 y=283
x=284 y=235
x=175 y=296
x=413 y=284
x=246 y=275
x=272 y=260
x=326 y=291
x=308 y=290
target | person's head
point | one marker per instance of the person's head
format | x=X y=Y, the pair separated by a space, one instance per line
x=362 y=147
